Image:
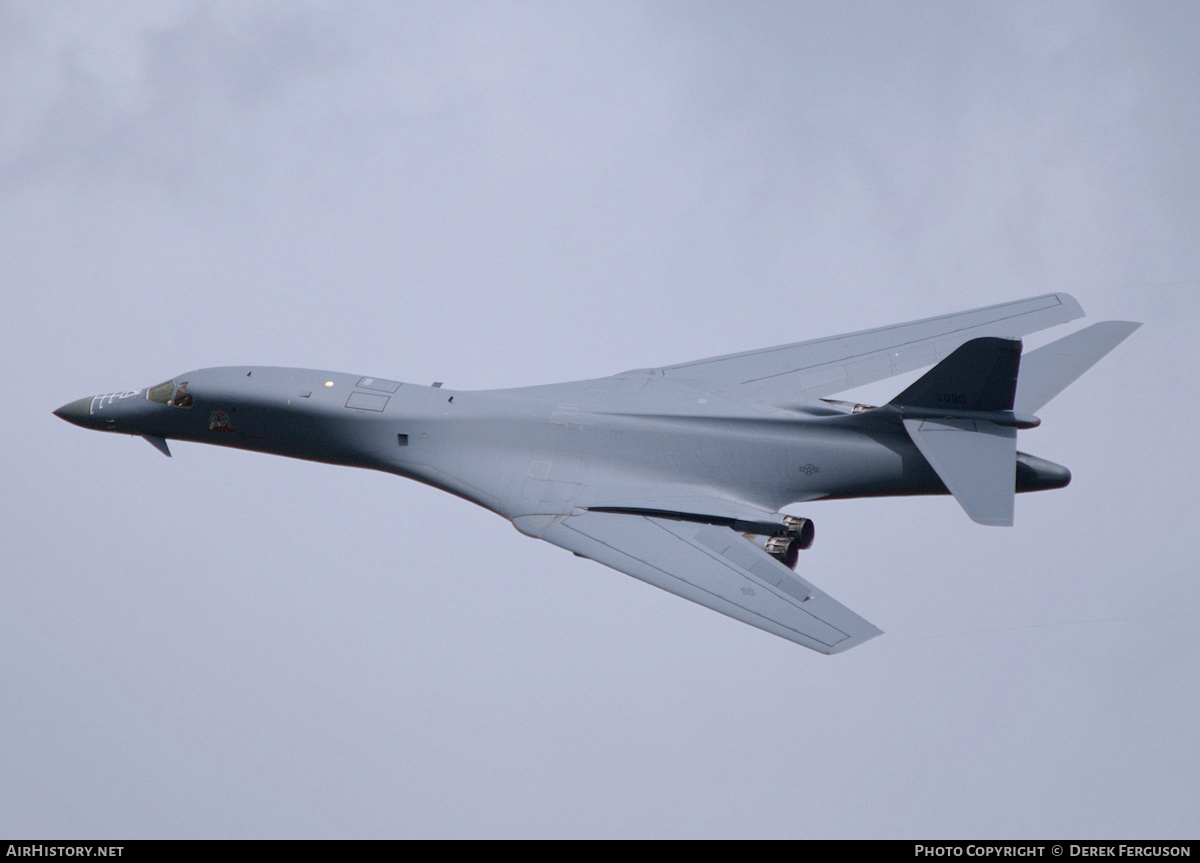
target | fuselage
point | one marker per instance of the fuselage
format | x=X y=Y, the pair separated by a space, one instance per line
x=636 y=440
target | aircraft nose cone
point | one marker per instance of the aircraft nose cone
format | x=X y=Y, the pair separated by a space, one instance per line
x=77 y=412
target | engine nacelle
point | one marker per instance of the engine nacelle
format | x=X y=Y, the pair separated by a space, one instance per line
x=786 y=547
x=802 y=529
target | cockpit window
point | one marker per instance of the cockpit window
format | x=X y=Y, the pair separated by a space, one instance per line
x=172 y=394
x=162 y=393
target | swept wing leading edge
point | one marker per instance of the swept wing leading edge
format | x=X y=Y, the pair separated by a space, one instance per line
x=713 y=566
x=806 y=370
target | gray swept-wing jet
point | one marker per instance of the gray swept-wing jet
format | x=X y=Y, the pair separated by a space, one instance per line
x=676 y=475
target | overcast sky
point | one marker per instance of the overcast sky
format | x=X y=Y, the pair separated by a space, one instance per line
x=230 y=645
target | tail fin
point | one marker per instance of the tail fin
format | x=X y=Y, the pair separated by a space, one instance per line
x=963 y=415
x=975 y=456
x=981 y=375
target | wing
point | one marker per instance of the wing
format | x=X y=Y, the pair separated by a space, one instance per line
x=809 y=370
x=712 y=565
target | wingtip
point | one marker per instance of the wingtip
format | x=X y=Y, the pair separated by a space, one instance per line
x=1071 y=306
x=853 y=642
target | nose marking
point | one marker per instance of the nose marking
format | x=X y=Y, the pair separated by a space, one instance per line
x=99 y=402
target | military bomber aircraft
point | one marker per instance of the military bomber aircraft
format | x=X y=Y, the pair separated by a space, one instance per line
x=676 y=475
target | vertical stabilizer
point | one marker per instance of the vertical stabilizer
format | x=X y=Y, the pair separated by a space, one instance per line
x=976 y=457
x=980 y=376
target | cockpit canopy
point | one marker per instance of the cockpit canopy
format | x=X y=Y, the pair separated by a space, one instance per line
x=171 y=394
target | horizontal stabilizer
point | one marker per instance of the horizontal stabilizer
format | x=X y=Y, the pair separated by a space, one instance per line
x=1049 y=370
x=977 y=462
x=974 y=456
